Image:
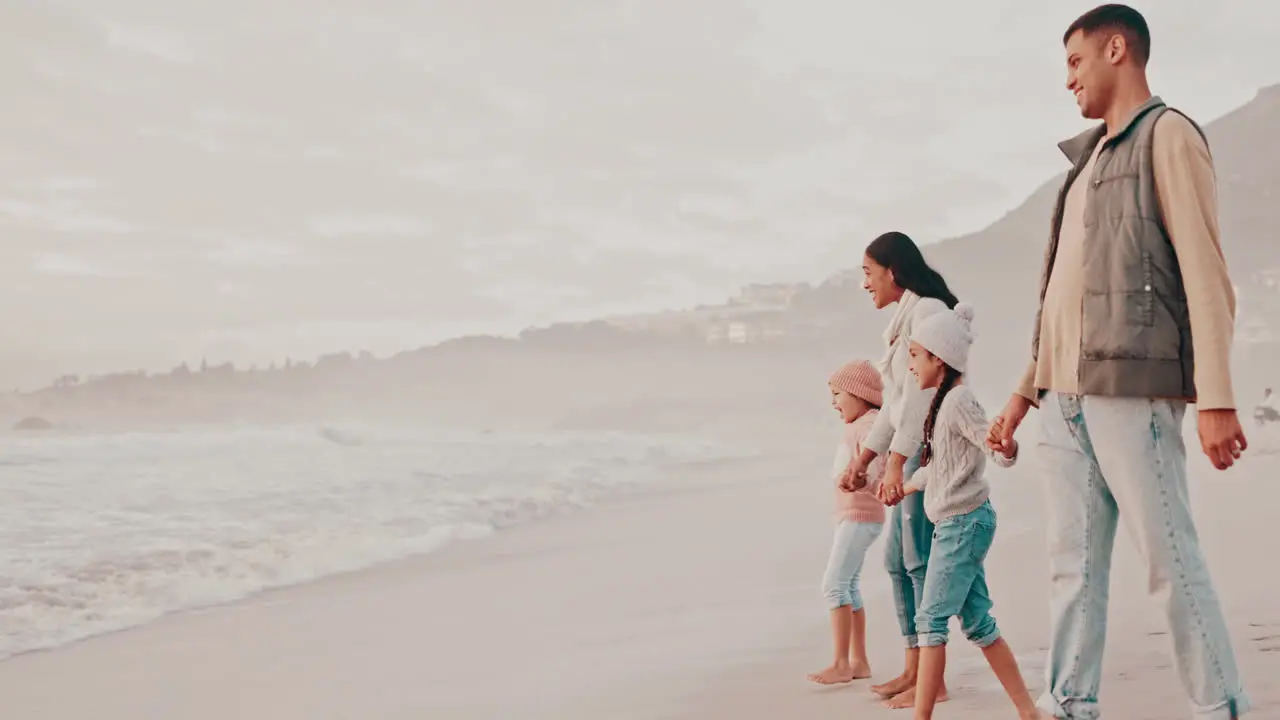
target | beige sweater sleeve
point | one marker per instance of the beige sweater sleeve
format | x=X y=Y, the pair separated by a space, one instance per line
x=1027 y=385
x=1186 y=189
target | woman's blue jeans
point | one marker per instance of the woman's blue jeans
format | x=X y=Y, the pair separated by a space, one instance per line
x=906 y=555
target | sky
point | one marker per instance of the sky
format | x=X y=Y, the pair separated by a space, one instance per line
x=252 y=181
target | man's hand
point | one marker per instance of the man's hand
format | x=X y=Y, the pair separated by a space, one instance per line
x=1221 y=437
x=1006 y=447
x=1000 y=436
x=996 y=441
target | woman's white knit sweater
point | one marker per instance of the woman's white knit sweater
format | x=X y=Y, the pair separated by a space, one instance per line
x=899 y=427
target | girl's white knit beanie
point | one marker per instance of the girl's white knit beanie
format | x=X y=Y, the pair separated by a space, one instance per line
x=947 y=335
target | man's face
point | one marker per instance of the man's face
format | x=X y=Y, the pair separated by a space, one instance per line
x=1091 y=71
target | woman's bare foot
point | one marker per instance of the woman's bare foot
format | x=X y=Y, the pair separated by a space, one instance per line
x=861 y=669
x=837 y=674
x=894 y=686
x=907 y=699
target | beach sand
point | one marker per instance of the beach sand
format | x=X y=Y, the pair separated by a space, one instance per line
x=695 y=600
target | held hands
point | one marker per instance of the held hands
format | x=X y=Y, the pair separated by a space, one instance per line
x=1000 y=436
x=891 y=491
x=996 y=440
x=854 y=477
x=1221 y=437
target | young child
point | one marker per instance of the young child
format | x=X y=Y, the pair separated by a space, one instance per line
x=956 y=500
x=856 y=395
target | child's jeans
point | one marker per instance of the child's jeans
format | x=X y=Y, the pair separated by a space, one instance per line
x=956 y=583
x=844 y=568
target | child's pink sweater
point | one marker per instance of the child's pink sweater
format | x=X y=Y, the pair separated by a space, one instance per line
x=860 y=506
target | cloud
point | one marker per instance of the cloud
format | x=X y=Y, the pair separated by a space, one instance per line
x=151 y=40
x=18 y=212
x=62 y=265
x=250 y=253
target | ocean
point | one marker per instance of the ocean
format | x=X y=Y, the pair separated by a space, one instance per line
x=101 y=532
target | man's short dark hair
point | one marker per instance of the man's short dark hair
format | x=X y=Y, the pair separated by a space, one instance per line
x=1118 y=19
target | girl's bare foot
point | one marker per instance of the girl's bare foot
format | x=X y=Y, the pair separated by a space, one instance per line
x=907 y=699
x=894 y=686
x=837 y=674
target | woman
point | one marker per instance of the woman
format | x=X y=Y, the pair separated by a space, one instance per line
x=896 y=272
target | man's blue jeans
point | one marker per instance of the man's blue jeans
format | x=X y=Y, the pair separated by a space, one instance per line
x=1105 y=458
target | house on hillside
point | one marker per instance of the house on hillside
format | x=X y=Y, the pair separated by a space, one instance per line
x=745 y=329
x=851 y=276
x=1269 y=278
x=753 y=315
x=1254 y=331
x=769 y=295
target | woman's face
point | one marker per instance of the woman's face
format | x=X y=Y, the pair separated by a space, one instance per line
x=878 y=280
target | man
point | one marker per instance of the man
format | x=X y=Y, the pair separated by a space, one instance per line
x=1136 y=320
x=1266 y=412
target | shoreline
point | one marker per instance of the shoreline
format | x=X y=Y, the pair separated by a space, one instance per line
x=179 y=664
x=697 y=597
x=108 y=533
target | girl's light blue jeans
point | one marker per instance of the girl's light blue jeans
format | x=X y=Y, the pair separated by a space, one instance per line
x=956 y=584
x=840 y=584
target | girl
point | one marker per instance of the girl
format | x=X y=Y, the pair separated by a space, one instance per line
x=856 y=396
x=896 y=272
x=956 y=500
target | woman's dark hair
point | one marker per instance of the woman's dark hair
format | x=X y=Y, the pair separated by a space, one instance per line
x=899 y=253
x=949 y=377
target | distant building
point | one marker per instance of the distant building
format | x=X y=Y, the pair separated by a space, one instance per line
x=746 y=329
x=753 y=315
x=775 y=296
x=845 y=277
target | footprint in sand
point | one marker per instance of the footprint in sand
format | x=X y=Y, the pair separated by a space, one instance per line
x=1267 y=643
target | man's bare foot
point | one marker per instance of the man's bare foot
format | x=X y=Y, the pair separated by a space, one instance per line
x=834 y=675
x=907 y=699
x=894 y=686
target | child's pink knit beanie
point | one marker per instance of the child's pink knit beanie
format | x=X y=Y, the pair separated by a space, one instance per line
x=860 y=379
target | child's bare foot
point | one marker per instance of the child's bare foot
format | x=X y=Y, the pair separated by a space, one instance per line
x=894 y=686
x=907 y=699
x=837 y=674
